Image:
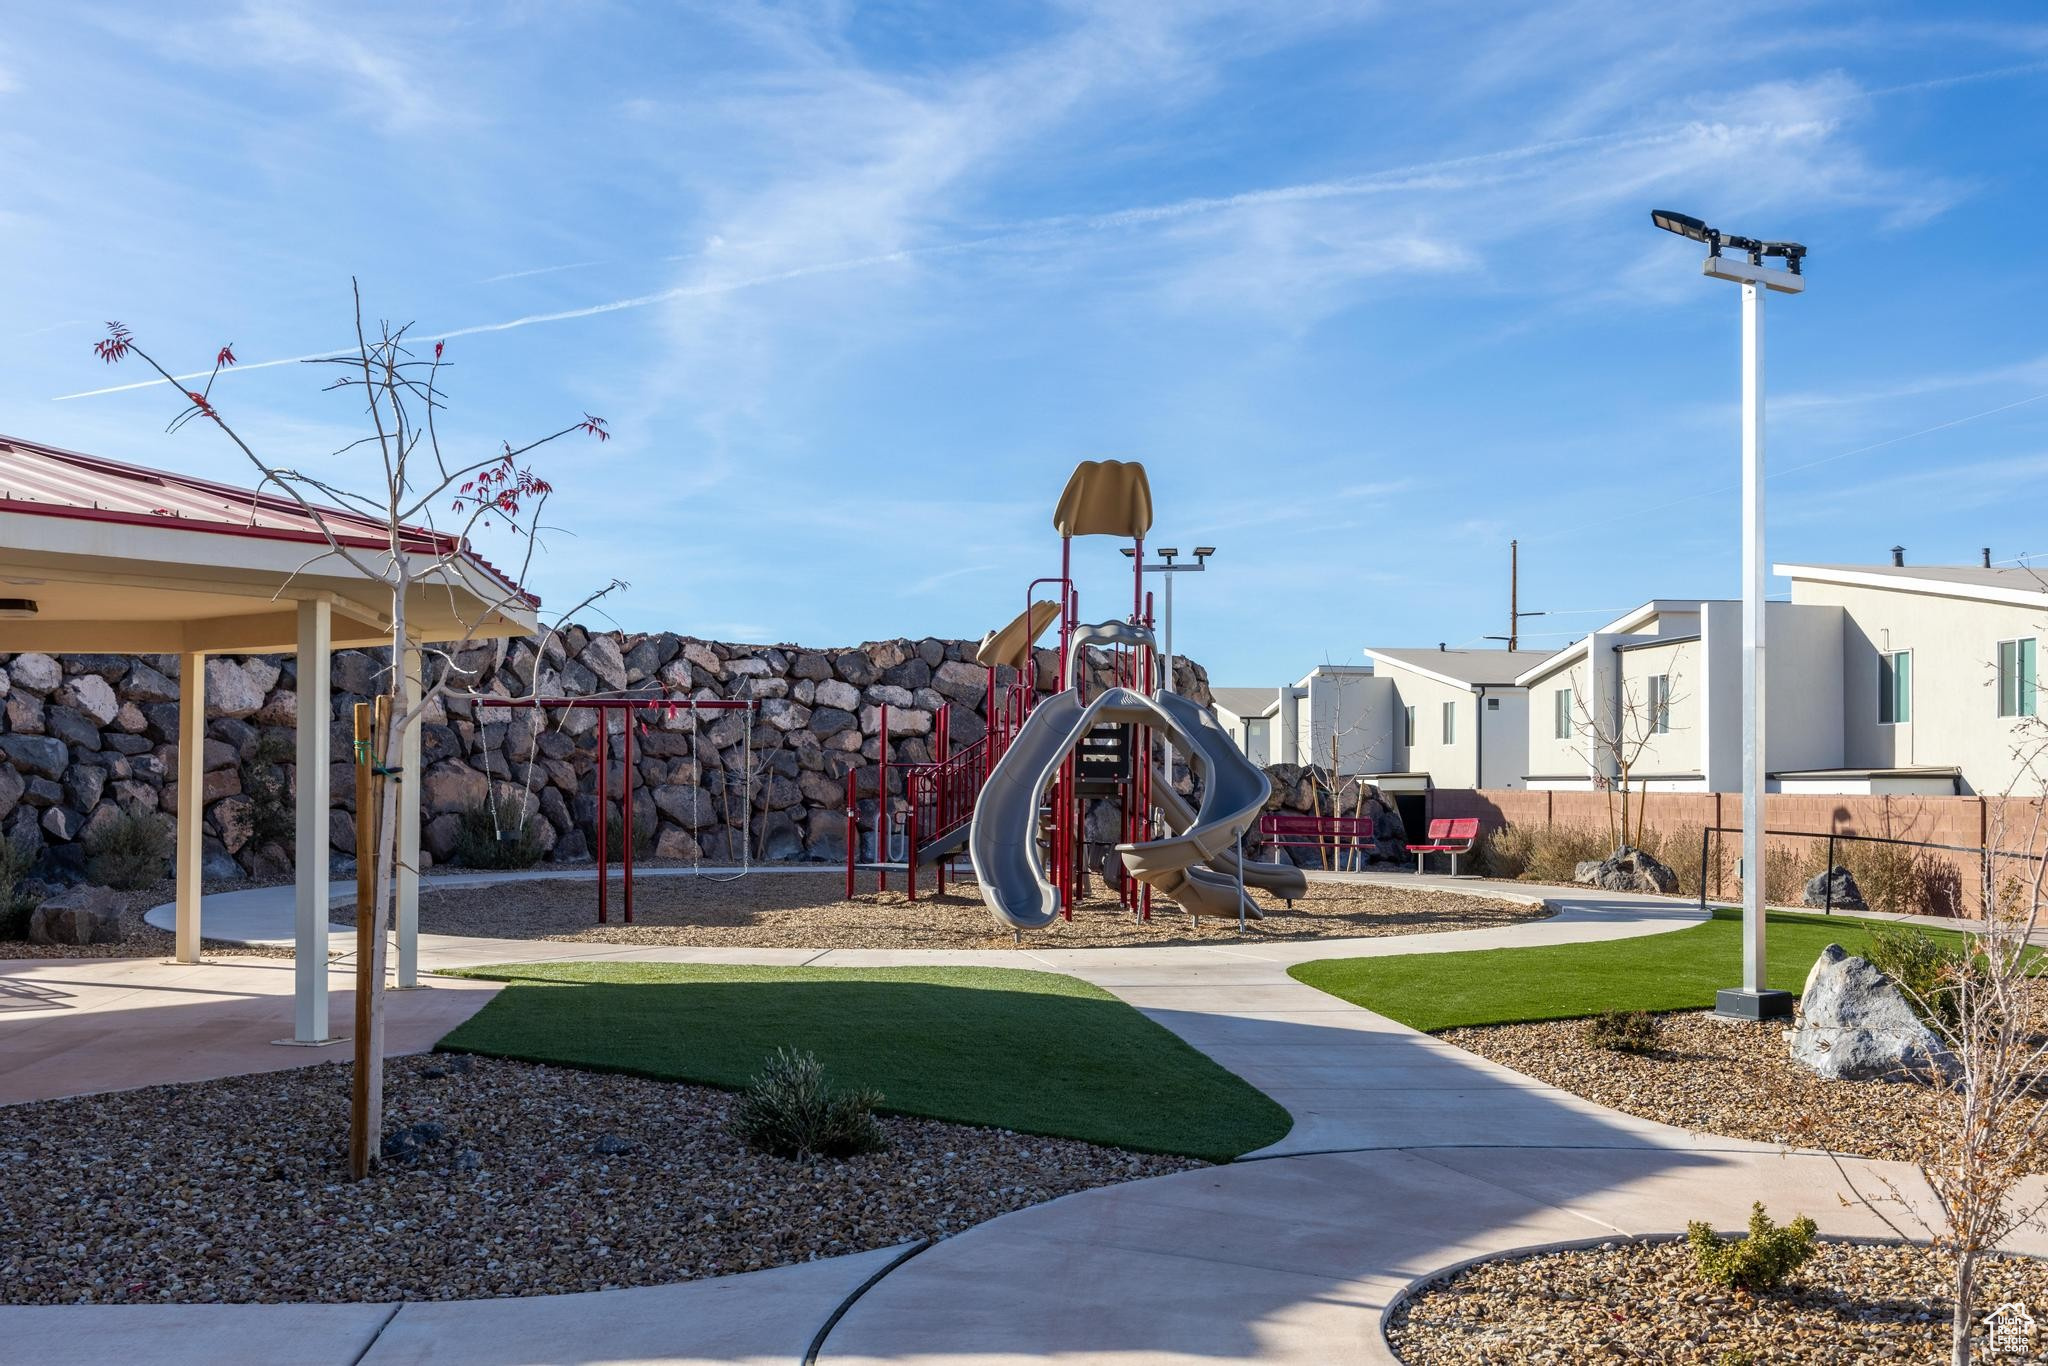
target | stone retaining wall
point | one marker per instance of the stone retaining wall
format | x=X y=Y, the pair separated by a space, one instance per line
x=84 y=738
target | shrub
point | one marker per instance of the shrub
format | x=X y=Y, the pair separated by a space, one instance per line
x=129 y=852
x=1898 y=879
x=1626 y=1031
x=790 y=1110
x=508 y=841
x=16 y=902
x=1926 y=970
x=1760 y=1261
x=273 y=816
x=1540 y=853
x=1679 y=850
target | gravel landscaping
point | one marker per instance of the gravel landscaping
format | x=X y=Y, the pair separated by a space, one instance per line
x=1715 y=1076
x=1643 y=1301
x=141 y=940
x=527 y=1180
x=810 y=910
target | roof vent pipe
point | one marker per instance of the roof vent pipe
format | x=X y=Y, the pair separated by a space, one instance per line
x=1987 y=557
x=1898 y=557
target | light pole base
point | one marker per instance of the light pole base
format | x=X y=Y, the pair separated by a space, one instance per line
x=1736 y=1003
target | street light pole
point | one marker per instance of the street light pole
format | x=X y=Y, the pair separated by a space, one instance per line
x=1753 y=613
x=1753 y=1000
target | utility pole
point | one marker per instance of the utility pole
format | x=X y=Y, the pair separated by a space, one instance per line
x=1515 y=612
x=1514 y=601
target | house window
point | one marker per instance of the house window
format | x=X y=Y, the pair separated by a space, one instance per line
x=2016 y=677
x=1408 y=726
x=1256 y=734
x=1660 y=704
x=1895 y=688
x=1450 y=723
x=1561 y=714
x=1493 y=704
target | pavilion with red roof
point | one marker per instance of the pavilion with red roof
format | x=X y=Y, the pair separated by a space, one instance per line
x=102 y=557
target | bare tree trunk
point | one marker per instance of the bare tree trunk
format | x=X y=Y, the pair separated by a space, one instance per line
x=1966 y=1298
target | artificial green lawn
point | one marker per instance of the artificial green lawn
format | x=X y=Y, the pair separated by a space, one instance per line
x=1676 y=971
x=1030 y=1051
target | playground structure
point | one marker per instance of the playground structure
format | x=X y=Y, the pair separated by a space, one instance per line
x=634 y=710
x=1016 y=798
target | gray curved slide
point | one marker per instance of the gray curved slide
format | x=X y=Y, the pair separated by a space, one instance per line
x=1004 y=841
x=1231 y=783
x=1283 y=880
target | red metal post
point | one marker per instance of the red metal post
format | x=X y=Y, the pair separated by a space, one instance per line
x=1066 y=621
x=1137 y=576
x=910 y=873
x=626 y=799
x=603 y=821
x=882 y=797
x=852 y=829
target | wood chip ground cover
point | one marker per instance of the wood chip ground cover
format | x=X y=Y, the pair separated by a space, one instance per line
x=532 y=1180
x=803 y=910
x=1643 y=1301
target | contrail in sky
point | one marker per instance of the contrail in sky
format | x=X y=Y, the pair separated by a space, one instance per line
x=1421 y=176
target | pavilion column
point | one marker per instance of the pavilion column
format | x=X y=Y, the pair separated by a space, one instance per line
x=316 y=707
x=408 y=870
x=191 y=799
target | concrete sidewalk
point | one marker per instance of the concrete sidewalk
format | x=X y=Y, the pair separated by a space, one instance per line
x=1407 y=1155
x=761 y=1318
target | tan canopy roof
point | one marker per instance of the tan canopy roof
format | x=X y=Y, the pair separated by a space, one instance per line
x=1105 y=498
x=1012 y=645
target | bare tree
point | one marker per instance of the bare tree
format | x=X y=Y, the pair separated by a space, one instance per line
x=1329 y=782
x=412 y=553
x=1618 y=740
x=1989 y=1010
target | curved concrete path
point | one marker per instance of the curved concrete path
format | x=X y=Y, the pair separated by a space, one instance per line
x=1406 y=1155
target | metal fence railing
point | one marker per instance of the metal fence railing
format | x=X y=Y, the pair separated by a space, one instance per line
x=1985 y=853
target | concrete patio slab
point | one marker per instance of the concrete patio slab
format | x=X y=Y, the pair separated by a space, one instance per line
x=75 y=1026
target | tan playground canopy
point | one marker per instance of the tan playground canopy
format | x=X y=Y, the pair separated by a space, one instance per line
x=1012 y=645
x=1105 y=498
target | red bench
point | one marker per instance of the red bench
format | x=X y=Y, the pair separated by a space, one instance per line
x=1352 y=835
x=1448 y=835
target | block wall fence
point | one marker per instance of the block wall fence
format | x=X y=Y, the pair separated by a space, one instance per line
x=1973 y=823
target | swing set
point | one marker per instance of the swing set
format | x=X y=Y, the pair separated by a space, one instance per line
x=634 y=710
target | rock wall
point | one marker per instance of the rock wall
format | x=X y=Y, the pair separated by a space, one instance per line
x=84 y=738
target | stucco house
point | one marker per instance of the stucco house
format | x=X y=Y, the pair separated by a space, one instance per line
x=1889 y=679
x=1297 y=723
x=1408 y=721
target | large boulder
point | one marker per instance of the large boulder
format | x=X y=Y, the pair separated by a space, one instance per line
x=230 y=690
x=1628 y=869
x=1846 y=895
x=93 y=695
x=83 y=915
x=36 y=672
x=451 y=786
x=36 y=754
x=1854 y=1025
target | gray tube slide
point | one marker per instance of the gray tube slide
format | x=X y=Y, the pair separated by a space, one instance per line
x=1283 y=880
x=1004 y=842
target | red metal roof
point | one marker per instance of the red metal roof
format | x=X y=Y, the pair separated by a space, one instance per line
x=49 y=481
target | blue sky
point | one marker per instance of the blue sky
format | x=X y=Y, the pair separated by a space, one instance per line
x=1370 y=288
